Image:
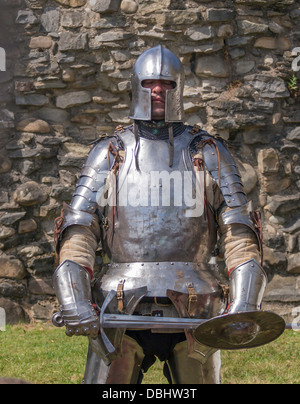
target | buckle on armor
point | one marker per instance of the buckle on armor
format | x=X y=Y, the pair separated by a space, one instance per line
x=195 y=129
x=105 y=224
x=192 y=299
x=225 y=290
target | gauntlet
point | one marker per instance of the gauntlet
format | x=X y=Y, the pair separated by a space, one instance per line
x=72 y=285
x=247 y=285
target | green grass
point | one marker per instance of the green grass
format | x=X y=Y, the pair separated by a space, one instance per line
x=42 y=354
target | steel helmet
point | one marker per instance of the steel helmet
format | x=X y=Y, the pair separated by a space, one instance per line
x=157 y=63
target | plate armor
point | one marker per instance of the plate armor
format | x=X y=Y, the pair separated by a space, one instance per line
x=165 y=248
x=159 y=194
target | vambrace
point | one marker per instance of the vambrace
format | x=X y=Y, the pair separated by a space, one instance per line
x=247 y=285
x=72 y=284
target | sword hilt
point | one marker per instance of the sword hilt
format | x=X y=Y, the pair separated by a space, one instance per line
x=109 y=346
x=57 y=320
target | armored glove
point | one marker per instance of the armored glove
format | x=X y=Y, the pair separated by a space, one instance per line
x=72 y=285
x=247 y=285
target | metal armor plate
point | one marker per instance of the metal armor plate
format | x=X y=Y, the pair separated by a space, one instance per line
x=145 y=227
x=171 y=279
x=240 y=330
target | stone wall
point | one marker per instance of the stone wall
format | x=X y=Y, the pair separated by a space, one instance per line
x=67 y=82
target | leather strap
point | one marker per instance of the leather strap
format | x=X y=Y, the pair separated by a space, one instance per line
x=120 y=296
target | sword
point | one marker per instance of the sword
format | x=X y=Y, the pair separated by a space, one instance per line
x=195 y=325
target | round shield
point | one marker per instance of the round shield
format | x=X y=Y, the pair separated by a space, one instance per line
x=240 y=330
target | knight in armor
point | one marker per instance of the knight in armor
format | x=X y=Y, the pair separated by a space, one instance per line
x=160 y=251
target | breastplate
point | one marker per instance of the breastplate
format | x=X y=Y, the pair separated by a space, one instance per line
x=156 y=217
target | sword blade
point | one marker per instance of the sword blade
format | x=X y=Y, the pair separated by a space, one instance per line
x=144 y=322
